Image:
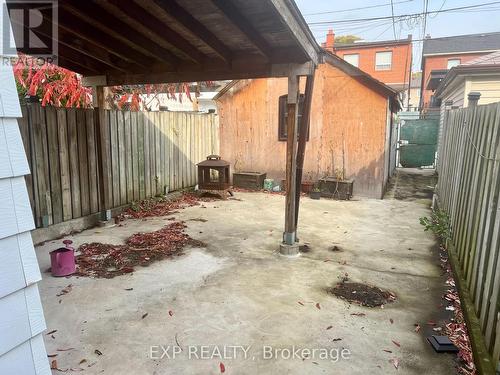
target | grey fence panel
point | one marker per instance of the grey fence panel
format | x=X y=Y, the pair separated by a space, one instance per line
x=468 y=191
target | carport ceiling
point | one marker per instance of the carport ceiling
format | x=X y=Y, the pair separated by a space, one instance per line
x=152 y=41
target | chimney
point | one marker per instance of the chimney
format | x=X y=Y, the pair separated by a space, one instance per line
x=330 y=40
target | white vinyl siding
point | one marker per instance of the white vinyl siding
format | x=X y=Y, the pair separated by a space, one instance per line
x=22 y=323
x=383 y=60
x=489 y=87
x=352 y=59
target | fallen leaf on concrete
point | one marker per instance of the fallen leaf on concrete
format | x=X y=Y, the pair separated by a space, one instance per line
x=53 y=364
x=329 y=327
x=395 y=362
x=222 y=367
x=170 y=312
x=129 y=289
x=52 y=355
x=318 y=306
x=82 y=361
x=98 y=352
x=358 y=314
x=51 y=332
x=387 y=351
x=65 y=290
x=337 y=339
x=144 y=315
x=300 y=303
x=396 y=343
x=65 y=350
x=391 y=320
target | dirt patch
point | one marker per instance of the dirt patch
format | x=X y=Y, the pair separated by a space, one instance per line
x=362 y=294
x=141 y=249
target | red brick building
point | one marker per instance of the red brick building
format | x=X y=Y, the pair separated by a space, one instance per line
x=388 y=61
x=441 y=54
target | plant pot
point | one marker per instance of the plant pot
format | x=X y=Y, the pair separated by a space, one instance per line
x=315 y=194
x=337 y=189
x=307 y=186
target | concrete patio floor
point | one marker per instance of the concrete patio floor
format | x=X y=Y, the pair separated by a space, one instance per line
x=239 y=292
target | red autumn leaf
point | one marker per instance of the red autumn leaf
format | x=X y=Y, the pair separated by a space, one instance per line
x=222 y=367
x=318 y=306
x=358 y=314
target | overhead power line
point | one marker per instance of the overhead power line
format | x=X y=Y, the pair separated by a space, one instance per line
x=360 y=8
x=404 y=15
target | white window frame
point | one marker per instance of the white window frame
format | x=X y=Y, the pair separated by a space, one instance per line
x=354 y=55
x=383 y=66
x=457 y=60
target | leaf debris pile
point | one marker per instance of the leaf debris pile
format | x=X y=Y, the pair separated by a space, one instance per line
x=456 y=329
x=107 y=260
x=162 y=206
x=362 y=294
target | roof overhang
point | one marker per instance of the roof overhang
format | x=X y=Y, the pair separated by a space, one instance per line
x=435 y=78
x=160 y=41
x=461 y=71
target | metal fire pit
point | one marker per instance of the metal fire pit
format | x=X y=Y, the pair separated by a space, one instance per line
x=213 y=176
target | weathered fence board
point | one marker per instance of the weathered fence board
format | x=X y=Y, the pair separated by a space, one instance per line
x=468 y=190
x=145 y=153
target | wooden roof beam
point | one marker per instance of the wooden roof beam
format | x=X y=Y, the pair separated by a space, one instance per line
x=153 y=27
x=195 y=27
x=87 y=32
x=233 y=14
x=292 y=17
x=101 y=19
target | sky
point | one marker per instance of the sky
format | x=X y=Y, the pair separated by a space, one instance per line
x=459 y=22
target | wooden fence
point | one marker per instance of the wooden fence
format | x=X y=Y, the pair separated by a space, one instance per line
x=144 y=154
x=468 y=191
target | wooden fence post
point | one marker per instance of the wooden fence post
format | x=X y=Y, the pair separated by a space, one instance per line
x=102 y=155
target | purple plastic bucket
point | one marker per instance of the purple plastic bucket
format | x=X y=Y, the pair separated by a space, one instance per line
x=62 y=261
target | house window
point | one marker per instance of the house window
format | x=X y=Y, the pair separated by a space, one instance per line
x=283 y=116
x=452 y=63
x=383 y=60
x=352 y=59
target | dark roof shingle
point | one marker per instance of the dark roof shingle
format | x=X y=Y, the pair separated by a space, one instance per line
x=463 y=43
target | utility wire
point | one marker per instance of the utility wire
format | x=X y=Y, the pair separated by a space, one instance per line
x=360 y=8
x=403 y=15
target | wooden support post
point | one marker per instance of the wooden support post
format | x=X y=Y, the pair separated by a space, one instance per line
x=301 y=148
x=289 y=247
x=102 y=157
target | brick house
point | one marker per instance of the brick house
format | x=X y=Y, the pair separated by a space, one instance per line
x=441 y=54
x=387 y=61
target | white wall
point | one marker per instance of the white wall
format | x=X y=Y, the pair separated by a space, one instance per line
x=22 y=351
